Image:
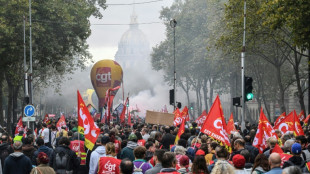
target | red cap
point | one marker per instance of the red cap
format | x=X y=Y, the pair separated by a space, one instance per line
x=200 y=152
x=43 y=158
x=184 y=161
x=238 y=161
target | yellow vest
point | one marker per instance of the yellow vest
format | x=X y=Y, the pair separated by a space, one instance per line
x=18 y=138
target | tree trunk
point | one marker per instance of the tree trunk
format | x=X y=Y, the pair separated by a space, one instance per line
x=15 y=97
x=299 y=89
x=1 y=103
x=281 y=90
x=10 y=108
x=211 y=92
x=205 y=94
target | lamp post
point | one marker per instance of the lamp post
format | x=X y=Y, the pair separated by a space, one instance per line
x=173 y=24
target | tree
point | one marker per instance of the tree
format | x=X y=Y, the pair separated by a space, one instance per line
x=59 y=32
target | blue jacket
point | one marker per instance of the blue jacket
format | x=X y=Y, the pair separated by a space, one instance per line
x=17 y=162
x=275 y=170
x=45 y=149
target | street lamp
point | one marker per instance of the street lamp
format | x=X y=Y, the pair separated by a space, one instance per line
x=173 y=24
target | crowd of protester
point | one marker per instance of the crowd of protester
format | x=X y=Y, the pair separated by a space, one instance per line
x=148 y=149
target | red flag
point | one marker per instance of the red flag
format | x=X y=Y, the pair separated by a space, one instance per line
x=46 y=119
x=201 y=119
x=61 y=122
x=19 y=126
x=277 y=149
x=177 y=117
x=231 y=125
x=36 y=133
x=215 y=125
x=122 y=116
x=180 y=132
x=290 y=123
x=110 y=94
x=307 y=119
x=264 y=132
x=86 y=124
x=301 y=115
x=184 y=114
x=129 y=119
x=279 y=119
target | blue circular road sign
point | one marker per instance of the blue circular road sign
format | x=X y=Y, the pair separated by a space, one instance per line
x=29 y=110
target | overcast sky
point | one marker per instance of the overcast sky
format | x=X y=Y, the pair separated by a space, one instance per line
x=104 y=39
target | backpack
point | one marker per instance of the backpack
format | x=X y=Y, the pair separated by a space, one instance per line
x=62 y=162
x=138 y=170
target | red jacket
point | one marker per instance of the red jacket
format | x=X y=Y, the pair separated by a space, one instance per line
x=109 y=165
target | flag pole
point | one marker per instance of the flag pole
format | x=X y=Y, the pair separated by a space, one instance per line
x=78 y=121
x=197 y=139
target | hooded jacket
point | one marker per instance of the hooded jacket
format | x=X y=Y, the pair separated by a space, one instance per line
x=5 y=147
x=43 y=148
x=17 y=159
x=127 y=152
x=94 y=159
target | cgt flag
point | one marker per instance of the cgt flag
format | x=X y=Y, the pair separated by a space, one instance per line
x=86 y=124
x=290 y=123
x=177 y=117
x=184 y=114
x=180 y=132
x=201 y=119
x=264 y=132
x=280 y=118
x=46 y=119
x=215 y=125
x=61 y=122
x=19 y=126
x=230 y=125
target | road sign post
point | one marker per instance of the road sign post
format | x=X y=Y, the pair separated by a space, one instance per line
x=29 y=111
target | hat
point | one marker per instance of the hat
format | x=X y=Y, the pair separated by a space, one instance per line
x=105 y=140
x=238 y=161
x=296 y=148
x=200 y=152
x=132 y=137
x=43 y=158
x=184 y=161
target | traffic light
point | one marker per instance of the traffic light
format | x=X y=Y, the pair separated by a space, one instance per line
x=127 y=103
x=236 y=101
x=171 y=98
x=179 y=105
x=248 y=88
x=192 y=106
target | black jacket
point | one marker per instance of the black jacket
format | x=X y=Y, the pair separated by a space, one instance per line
x=17 y=162
x=167 y=140
x=74 y=160
x=5 y=151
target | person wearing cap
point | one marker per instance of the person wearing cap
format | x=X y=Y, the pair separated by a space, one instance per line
x=96 y=154
x=199 y=164
x=127 y=152
x=43 y=167
x=296 y=159
x=239 y=163
x=275 y=164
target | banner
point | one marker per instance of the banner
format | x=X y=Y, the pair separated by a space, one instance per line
x=184 y=114
x=86 y=124
x=231 y=125
x=215 y=125
x=201 y=119
x=301 y=115
x=161 y=118
x=264 y=132
x=109 y=100
x=92 y=110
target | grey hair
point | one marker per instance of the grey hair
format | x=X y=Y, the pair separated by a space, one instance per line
x=179 y=150
x=288 y=144
x=17 y=145
x=222 y=167
x=292 y=170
